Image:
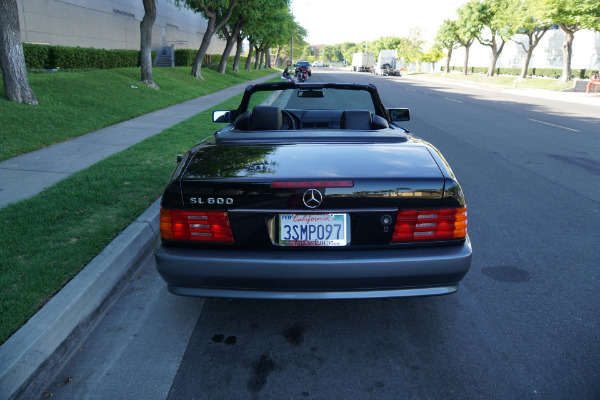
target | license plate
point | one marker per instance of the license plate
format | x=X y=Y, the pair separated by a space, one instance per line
x=313 y=229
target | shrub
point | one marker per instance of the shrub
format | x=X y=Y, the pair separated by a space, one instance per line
x=186 y=57
x=36 y=55
x=43 y=56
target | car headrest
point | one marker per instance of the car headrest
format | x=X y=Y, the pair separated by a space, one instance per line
x=379 y=122
x=356 y=120
x=242 y=122
x=266 y=118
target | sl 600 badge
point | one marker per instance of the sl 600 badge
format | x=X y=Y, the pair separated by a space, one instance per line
x=211 y=200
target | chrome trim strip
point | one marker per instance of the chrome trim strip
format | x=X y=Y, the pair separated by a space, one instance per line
x=323 y=211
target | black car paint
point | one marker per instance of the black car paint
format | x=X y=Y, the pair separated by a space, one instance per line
x=233 y=171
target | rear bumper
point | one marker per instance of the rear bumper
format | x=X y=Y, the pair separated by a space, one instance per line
x=313 y=274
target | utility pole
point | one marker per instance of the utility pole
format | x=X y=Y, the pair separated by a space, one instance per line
x=292 y=52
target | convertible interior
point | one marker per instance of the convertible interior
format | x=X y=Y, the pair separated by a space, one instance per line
x=267 y=118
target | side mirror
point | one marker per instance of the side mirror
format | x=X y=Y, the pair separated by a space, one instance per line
x=399 y=114
x=222 y=116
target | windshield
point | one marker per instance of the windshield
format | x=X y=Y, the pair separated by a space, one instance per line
x=314 y=99
x=303 y=64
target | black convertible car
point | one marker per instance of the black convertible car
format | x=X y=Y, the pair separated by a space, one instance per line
x=312 y=191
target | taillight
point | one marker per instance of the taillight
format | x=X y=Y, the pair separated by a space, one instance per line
x=206 y=226
x=434 y=224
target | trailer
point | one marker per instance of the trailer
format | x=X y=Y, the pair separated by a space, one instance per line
x=363 y=61
x=386 y=63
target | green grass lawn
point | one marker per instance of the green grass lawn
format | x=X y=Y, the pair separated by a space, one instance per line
x=75 y=103
x=48 y=239
x=509 y=82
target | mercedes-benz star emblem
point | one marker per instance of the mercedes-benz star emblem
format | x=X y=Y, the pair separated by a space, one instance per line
x=312 y=198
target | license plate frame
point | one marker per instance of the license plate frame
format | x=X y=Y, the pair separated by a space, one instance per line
x=313 y=230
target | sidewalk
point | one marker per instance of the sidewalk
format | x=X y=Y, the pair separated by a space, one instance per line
x=27 y=175
x=31 y=355
x=28 y=358
x=589 y=99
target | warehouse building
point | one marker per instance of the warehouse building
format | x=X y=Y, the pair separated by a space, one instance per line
x=111 y=24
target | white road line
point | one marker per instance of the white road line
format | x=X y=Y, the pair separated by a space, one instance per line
x=557 y=126
x=456 y=101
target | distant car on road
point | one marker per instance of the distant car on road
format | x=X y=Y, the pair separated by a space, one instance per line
x=304 y=64
x=312 y=191
x=318 y=64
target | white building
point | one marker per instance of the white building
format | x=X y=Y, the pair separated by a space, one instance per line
x=110 y=24
x=547 y=54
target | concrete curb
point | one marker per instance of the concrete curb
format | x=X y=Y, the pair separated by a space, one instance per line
x=30 y=356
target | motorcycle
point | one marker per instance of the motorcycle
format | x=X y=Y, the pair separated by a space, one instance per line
x=301 y=74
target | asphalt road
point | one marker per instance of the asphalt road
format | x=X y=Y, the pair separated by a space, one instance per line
x=524 y=324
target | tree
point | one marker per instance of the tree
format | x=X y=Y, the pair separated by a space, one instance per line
x=12 y=58
x=146 y=42
x=495 y=16
x=251 y=43
x=467 y=30
x=409 y=48
x=245 y=12
x=348 y=49
x=230 y=40
x=571 y=16
x=528 y=21
x=238 y=52
x=446 y=38
x=211 y=10
x=271 y=24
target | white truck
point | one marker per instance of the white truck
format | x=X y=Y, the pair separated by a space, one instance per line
x=386 y=63
x=363 y=61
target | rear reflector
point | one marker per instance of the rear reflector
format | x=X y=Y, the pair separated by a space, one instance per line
x=312 y=184
x=436 y=224
x=205 y=226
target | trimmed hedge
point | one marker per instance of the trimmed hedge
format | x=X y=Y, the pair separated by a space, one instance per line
x=186 y=57
x=42 y=56
x=555 y=73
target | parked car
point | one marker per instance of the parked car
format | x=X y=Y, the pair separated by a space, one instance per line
x=318 y=64
x=312 y=191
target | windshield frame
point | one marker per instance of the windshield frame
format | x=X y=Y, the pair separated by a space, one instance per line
x=378 y=107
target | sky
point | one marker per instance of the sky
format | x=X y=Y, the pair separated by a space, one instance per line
x=339 y=21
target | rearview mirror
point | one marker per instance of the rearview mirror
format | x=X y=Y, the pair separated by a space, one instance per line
x=311 y=93
x=399 y=114
x=222 y=116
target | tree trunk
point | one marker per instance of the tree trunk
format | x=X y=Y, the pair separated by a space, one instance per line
x=250 y=52
x=146 y=42
x=493 y=58
x=210 y=31
x=526 y=63
x=12 y=58
x=534 y=40
x=211 y=28
x=495 y=53
x=231 y=39
x=567 y=50
x=277 y=56
x=448 y=60
x=238 y=53
x=268 y=56
x=256 y=56
x=466 y=61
